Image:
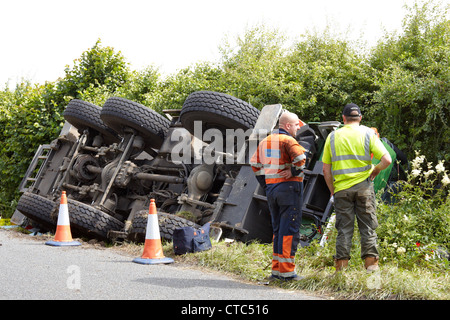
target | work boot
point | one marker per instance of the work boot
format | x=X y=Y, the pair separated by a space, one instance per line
x=293 y=278
x=371 y=264
x=340 y=264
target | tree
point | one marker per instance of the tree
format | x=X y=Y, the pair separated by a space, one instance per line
x=412 y=103
x=253 y=67
x=98 y=66
x=331 y=72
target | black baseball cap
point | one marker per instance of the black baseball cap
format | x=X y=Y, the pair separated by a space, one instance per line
x=351 y=110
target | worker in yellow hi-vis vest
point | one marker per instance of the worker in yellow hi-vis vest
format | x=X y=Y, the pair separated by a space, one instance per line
x=349 y=174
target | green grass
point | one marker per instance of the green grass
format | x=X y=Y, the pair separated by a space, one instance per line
x=251 y=262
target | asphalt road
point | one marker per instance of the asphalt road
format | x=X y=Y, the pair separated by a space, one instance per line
x=31 y=270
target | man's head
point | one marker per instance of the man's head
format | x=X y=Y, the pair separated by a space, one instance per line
x=351 y=113
x=290 y=122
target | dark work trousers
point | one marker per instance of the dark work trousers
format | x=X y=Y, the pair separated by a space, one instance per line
x=357 y=201
x=285 y=204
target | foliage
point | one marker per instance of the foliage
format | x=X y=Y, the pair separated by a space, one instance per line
x=411 y=103
x=173 y=91
x=414 y=230
x=331 y=73
x=254 y=67
x=98 y=66
x=32 y=118
x=246 y=260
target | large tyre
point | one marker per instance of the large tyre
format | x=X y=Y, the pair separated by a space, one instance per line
x=119 y=114
x=39 y=209
x=90 y=221
x=84 y=115
x=167 y=224
x=217 y=110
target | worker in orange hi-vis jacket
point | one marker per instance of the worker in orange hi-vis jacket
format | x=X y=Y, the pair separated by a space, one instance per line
x=278 y=165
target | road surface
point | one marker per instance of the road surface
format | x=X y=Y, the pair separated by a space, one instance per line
x=31 y=270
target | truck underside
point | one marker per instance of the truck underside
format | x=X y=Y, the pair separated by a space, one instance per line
x=194 y=162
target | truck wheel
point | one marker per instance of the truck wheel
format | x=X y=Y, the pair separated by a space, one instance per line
x=217 y=110
x=119 y=113
x=91 y=221
x=138 y=226
x=167 y=224
x=39 y=209
x=84 y=115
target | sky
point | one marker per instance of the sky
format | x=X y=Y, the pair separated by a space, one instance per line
x=39 y=38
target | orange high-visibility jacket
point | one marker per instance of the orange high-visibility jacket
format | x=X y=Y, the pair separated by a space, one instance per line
x=275 y=153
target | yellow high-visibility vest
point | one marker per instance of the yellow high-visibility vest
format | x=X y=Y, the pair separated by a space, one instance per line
x=349 y=151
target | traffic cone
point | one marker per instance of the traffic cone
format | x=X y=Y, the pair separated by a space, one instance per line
x=63 y=235
x=153 y=253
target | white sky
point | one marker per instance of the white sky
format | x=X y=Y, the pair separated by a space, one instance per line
x=40 y=37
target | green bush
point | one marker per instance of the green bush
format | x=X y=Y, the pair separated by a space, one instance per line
x=415 y=229
x=98 y=66
x=411 y=104
x=31 y=118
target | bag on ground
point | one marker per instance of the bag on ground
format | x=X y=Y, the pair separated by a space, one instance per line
x=189 y=239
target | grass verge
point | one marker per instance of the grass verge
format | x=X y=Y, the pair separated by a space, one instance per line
x=251 y=262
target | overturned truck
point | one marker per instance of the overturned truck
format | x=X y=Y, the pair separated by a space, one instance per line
x=194 y=162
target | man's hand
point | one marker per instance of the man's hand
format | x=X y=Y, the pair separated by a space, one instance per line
x=286 y=173
x=376 y=170
x=385 y=161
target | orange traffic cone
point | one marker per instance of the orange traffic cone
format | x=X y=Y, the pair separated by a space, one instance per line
x=153 y=253
x=63 y=235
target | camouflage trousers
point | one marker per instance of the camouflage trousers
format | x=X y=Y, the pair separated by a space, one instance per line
x=357 y=201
